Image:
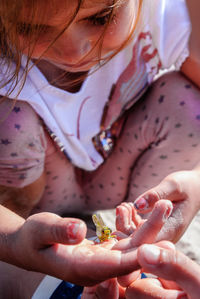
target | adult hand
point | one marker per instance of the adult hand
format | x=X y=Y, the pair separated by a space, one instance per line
x=168 y=264
x=182 y=188
x=41 y=243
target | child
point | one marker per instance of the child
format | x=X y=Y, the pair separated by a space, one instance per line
x=73 y=138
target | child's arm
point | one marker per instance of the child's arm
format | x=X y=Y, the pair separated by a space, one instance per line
x=191 y=67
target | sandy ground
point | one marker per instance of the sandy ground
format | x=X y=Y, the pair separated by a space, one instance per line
x=189 y=243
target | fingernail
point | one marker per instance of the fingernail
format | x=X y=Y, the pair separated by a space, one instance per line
x=72 y=230
x=141 y=204
x=151 y=254
x=167 y=213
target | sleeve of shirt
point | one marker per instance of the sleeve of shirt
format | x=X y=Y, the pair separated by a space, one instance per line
x=171 y=28
x=22 y=144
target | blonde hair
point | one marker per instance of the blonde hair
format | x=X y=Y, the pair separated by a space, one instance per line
x=10 y=49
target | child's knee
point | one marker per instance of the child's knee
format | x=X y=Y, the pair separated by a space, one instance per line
x=175 y=86
x=174 y=97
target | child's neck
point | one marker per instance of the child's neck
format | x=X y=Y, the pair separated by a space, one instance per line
x=70 y=82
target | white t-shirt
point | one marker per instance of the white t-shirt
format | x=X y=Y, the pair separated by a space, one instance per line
x=160 y=41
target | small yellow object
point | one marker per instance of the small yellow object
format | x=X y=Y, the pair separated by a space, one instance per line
x=104 y=233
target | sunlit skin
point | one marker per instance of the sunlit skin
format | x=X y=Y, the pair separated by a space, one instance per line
x=73 y=50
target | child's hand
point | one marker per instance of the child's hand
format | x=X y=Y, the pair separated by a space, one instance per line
x=183 y=189
x=142 y=231
x=128 y=222
x=168 y=264
x=40 y=245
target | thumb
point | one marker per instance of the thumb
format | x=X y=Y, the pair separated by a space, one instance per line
x=169 y=189
x=49 y=228
x=171 y=264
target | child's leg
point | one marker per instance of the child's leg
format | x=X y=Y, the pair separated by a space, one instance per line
x=173 y=110
x=161 y=135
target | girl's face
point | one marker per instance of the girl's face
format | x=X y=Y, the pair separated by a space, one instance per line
x=74 y=50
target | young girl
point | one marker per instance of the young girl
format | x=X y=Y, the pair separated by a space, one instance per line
x=80 y=127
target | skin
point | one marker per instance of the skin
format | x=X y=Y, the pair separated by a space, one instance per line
x=176 y=276
x=82 y=34
x=182 y=189
x=33 y=245
x=171 y=266
x=147 y=229
x=47 y=245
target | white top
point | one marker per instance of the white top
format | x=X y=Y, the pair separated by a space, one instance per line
x=160 y=41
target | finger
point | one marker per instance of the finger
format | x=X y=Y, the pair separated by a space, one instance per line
x=151 y=288
x=126 y=280
x=49 y=228
x=148 y=231
x=105 y=290
x=124 y=221
x=167 y=284
x=167 y=189
x=134 y=218
x=172 y=265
